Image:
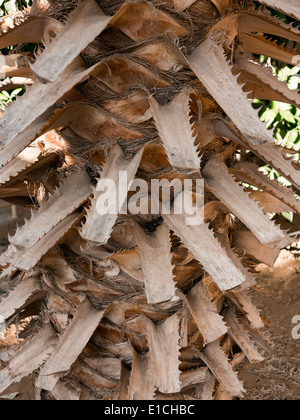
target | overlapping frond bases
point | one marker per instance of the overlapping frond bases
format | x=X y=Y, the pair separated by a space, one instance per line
x=139 y=306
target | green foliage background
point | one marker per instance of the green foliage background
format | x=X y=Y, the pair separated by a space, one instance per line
x=10 y=6
x=284 y=120
x=7 y=7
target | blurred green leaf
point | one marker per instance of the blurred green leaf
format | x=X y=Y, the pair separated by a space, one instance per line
x=288 y=116
x=288 y=216
x=268 y=115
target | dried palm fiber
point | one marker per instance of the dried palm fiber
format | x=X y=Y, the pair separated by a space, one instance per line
x=139 y=306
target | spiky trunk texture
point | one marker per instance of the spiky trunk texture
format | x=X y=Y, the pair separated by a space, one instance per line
x=139 y=307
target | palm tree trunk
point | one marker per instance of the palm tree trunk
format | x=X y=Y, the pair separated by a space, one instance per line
x=116 y=305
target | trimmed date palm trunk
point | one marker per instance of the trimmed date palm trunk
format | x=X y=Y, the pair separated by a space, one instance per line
x=136 y=306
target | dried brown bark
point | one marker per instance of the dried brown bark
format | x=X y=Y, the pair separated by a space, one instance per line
x=139 y=306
